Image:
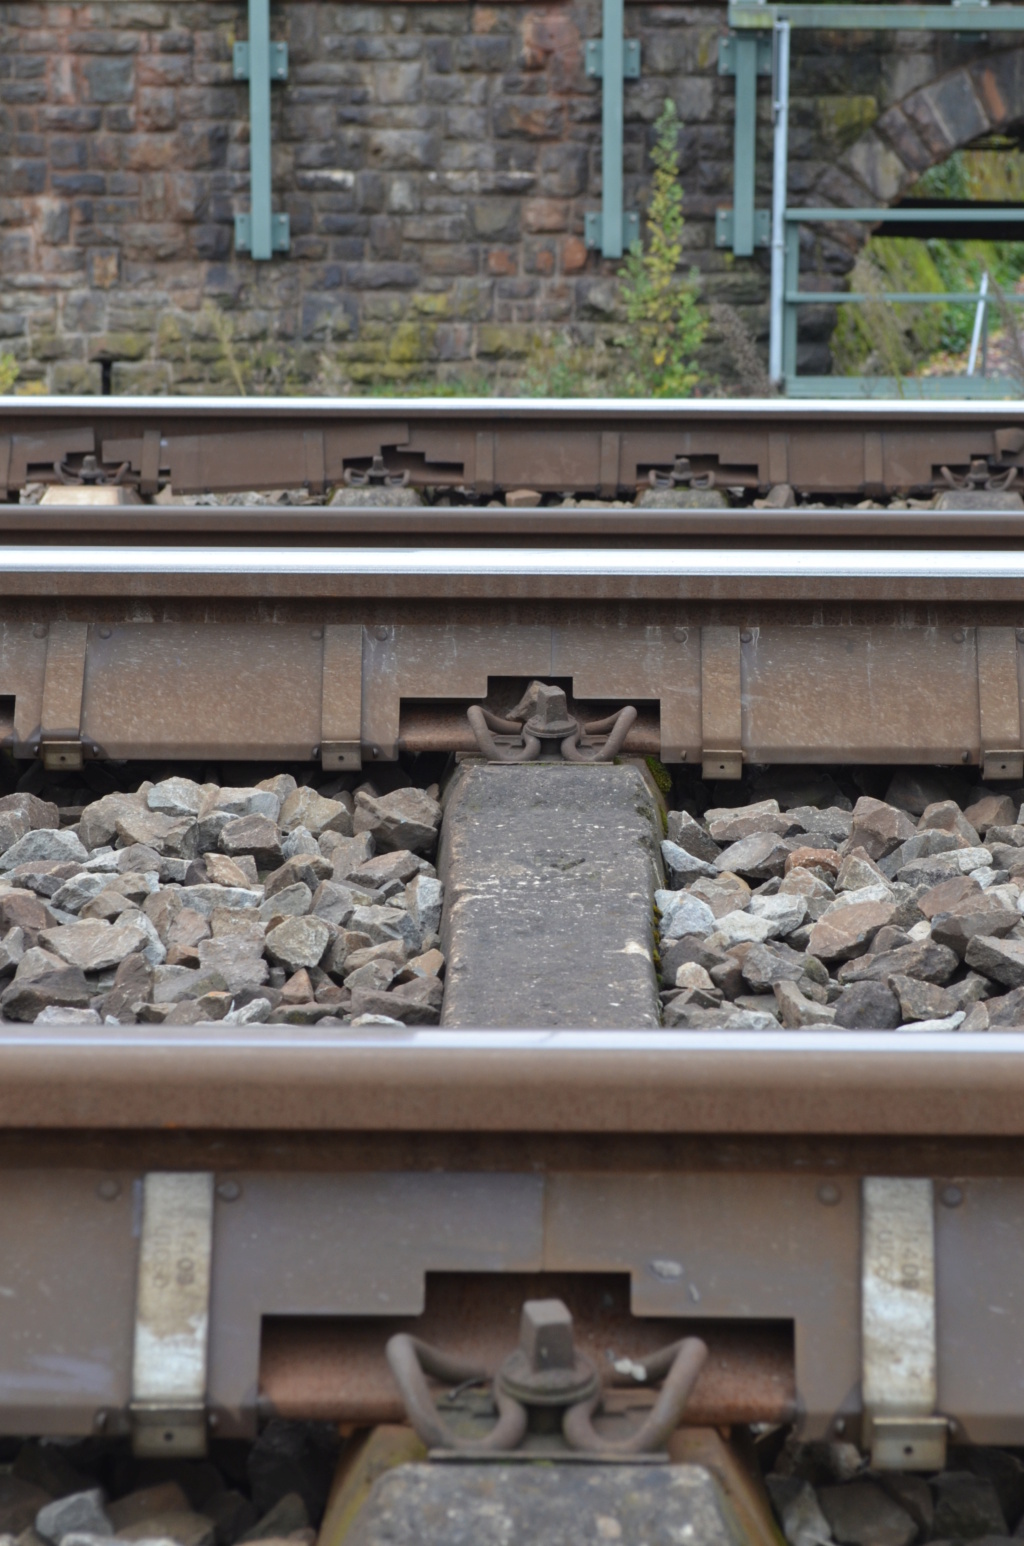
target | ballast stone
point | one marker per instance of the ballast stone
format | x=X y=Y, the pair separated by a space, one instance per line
x=81 y=1511
x=552 y=1505
x=549 y=875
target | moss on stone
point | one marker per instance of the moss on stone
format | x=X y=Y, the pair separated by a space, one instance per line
x=842 y=120
x=438 y=305
x=125 y=345
x=411 y=343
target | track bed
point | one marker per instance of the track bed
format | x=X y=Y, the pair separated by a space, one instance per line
x=289 y=1121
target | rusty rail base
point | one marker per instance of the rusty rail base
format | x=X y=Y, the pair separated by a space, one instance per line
x=604 y=447
x=333 y=1368
x=315 y=1262
x=329 y=665
x=291 y=525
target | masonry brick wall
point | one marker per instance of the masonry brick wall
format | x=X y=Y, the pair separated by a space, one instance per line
x=435 y=160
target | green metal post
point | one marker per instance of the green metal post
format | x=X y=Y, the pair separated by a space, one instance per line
x=744 y=149
x=612 y=125
x=262 y=235
x=791 y=282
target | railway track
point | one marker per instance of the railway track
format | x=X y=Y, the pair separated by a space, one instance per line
x=478 y=448
x=762 y=1096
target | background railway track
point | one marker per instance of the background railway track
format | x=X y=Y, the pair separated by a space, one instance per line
x=481 y=448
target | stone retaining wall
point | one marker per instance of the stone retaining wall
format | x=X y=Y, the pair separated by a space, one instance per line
x=435 y=160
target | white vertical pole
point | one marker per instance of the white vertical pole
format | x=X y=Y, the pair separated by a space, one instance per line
x=780 y=111
x=979 y=318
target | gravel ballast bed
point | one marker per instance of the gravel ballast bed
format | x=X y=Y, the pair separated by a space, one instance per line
x=183 y=902
x=904 y=913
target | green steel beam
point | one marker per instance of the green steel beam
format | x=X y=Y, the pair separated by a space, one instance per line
x=613 y=229
x=918 y=216
x=791 y=281
x=260 y=232
x=746 y=15
x=745 y=56
x=744 y=148
x=897 y=297
x=902 y=386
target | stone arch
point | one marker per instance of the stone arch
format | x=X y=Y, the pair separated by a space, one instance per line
x=923 y=129
x=920 y=130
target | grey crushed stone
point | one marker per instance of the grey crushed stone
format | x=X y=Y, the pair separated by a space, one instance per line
x=864 y=913
x=183 y=901
x=824 y=1493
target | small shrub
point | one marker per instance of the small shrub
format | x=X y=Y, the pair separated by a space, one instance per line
x=666 y=324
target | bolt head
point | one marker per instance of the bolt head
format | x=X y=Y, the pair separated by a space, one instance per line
x=545 y=1335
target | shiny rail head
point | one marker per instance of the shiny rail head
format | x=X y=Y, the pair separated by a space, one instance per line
x=682 y=563
x=782 y=1045
x=596 y=408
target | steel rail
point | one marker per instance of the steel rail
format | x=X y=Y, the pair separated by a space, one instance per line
x=459 y=574
x=211 y=524
x=523 y=562
x=43 y=410
x=249 y=1079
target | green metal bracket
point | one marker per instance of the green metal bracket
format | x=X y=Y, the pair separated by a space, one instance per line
x=593 y=231
x=280 y=234
x=278 y=61
x=612 y=59
x=260 y=232
x=725 y=220
x=594 y=58
x=728 y=53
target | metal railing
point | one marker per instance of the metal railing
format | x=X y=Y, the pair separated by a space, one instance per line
x=789 y=297
x=745 y=54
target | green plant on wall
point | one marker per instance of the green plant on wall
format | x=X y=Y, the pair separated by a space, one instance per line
x=666 y=323
x=8 y=372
